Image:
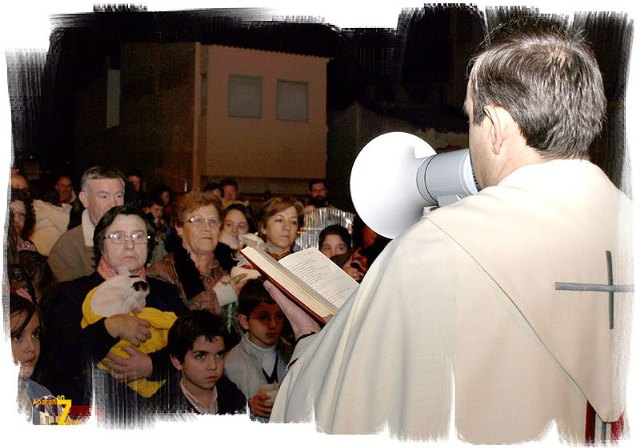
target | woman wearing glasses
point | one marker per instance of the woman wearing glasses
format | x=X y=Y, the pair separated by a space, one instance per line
x=203 y=283
x=121 y=245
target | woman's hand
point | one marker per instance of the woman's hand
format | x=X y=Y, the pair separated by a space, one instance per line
x=137 y=366
x=130 y=328
x=238 y=281
x=227 y=289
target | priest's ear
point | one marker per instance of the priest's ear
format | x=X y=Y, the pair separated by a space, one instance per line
x=502 y=126
x=243 y=320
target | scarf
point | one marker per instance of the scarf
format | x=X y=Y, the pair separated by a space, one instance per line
x=106 y=271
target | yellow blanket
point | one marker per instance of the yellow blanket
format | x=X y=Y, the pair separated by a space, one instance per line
x=161 y=322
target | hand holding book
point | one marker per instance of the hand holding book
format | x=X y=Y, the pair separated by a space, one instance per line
x=308 y=278
x=300 y=321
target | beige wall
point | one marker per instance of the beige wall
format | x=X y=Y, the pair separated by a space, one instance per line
x=265 y=147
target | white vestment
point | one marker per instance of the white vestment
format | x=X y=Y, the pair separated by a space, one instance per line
x=467 y=306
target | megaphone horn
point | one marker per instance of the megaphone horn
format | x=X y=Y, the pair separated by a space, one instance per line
x=397 y=174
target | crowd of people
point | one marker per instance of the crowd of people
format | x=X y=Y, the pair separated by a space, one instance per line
x=208 y=338
x=503 y=315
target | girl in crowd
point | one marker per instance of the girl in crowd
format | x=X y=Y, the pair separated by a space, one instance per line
x=236 y=221
x=24 y=322
x=278 y=224
x=24 y=218
x=27 y=268
x=335 y=242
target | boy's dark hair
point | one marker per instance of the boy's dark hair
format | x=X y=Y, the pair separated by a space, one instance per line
x=150 y=199
x=211 y=186
x=229 y=181
x=251 y=295
x=190 y=326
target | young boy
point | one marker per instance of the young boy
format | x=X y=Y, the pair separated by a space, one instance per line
x=196 y=349
x=261 y=357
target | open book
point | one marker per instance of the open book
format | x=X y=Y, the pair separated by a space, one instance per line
x=308 y=277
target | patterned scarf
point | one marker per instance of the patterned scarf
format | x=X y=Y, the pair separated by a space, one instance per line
x=106 y=271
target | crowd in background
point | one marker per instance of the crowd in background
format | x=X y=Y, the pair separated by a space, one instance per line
x=136 y=302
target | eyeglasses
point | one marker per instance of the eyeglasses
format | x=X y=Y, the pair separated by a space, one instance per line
x=121 y=237
x=200 y=221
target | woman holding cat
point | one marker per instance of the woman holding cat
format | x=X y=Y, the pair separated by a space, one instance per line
x=121 y=242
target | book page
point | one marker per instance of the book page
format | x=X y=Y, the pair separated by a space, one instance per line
x=308 y=298
x=321 y=274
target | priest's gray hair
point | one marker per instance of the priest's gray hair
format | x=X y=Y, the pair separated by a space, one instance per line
x=548 y=79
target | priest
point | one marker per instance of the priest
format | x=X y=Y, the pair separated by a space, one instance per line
x=507 y=313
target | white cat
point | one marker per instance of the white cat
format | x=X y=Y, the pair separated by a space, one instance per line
x=120 y=295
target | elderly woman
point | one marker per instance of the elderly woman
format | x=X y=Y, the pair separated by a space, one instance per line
x=203 y=283
x=278 y=222
x=121 y=244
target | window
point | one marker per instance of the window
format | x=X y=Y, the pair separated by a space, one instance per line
x=292 y=100
x=245 y=96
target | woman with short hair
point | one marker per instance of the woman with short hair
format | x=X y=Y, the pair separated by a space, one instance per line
x=202 y=281
x=278 y=222
x=122 y=245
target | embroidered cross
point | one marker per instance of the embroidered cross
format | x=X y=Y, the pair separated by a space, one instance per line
x=609 y=287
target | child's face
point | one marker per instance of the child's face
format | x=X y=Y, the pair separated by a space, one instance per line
x=264 y=324
x=333 y=245
x=25 y=346
x=203 y=365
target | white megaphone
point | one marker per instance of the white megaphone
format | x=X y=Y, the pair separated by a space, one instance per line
x=396 y=175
